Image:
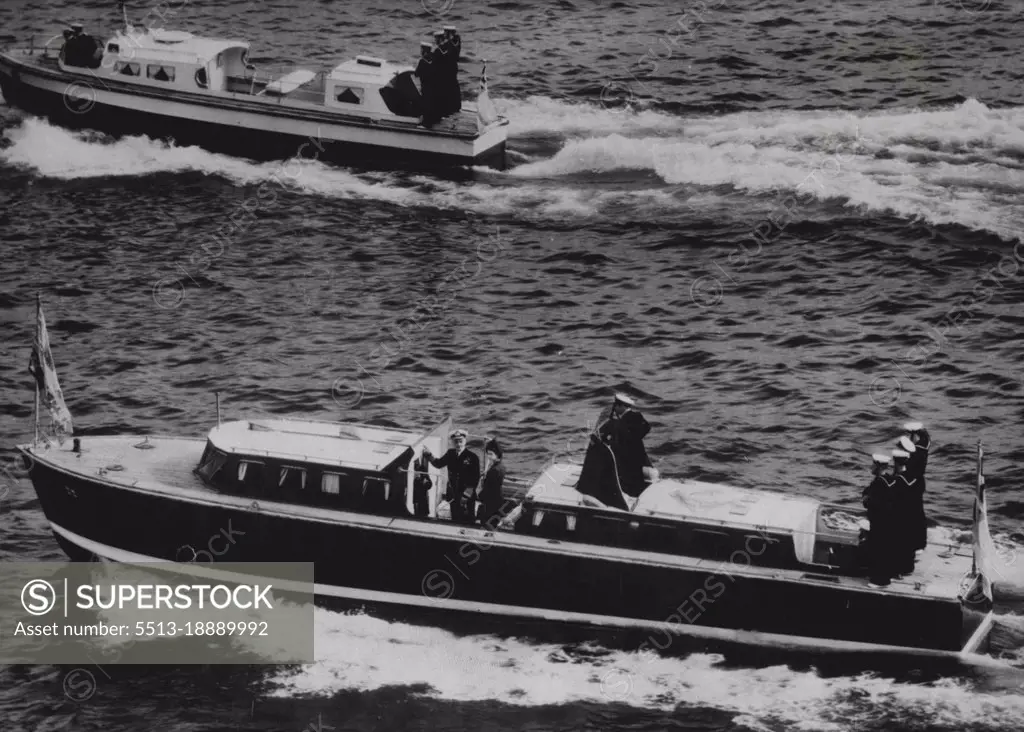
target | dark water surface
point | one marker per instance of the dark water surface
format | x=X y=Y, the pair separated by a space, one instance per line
x=885 y=141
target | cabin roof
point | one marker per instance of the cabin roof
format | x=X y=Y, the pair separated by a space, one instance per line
x=172 y=45
x=694 y=501
x=325 y=443
x=366 y=69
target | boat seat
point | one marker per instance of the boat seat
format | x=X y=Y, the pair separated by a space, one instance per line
x=288 y=83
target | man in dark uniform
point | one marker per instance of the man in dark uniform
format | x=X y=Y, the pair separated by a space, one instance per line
x=616 y=464
x=905 y=492
x=920 y=439
x=427 y=71
x=463 y=476
x=879 y=500
x=489 y=494
x=453 y=42
x=439 y=57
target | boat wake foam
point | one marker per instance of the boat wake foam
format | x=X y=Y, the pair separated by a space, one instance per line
x=364 y=653
x=961 y=166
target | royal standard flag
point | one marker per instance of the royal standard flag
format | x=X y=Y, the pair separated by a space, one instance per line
x=47 y=386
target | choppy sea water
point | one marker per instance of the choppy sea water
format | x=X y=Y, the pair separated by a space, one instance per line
x=876 y=147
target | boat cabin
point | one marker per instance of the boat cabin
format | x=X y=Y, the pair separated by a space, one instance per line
x=166 y=59
x=348 y=467
x=179 y=60
x=696 y=519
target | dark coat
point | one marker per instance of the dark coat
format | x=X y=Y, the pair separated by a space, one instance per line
x=430 y=83
x=463 y=472
x=916 y=466
x=490 y=490
x=616 y=458
x=883 y=542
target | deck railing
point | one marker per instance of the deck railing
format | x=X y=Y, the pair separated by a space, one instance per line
x=47 y=47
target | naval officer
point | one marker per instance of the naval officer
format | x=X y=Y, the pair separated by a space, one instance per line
x=463 y=476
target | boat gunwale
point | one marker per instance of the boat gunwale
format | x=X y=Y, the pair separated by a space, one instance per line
x=434 y=528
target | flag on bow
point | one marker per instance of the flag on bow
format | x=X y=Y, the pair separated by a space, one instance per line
x=47 y=386
x=485 y=112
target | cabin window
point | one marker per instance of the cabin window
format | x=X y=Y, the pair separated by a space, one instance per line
x=212 y=463
x=127 y=68
x=113 y=48
x=292 y=479
x=570 y=522
x=220 y=60
x=331 y=483
x=350 y=95
x=201 y=80
x=160 y=72
x=250 y=473
x=538 y=516
x=377 y=488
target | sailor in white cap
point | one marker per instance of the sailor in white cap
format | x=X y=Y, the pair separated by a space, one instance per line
x=463 y=475
x=453 y=54
x=429 y=77
x=918 y=436
x=905 y=490
x=879 y=545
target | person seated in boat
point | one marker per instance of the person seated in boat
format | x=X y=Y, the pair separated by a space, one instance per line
x=463 y=476
x=906 y=497
x=616 y=464
x=427 y=71
x=881 y=542
x=489 y=495
x=919 y=438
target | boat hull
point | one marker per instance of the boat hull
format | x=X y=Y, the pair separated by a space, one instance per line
x=238 y=126
x=430 y=566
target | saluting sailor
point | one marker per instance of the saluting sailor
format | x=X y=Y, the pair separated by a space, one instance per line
x=453 y=43
x=920 y=439
x=463 y=476
x=905 y=490
x=880 y=501
x=427 y=71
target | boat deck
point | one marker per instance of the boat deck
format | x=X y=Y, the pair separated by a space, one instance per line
x=164 y=465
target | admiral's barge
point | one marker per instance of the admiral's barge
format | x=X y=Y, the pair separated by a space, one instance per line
x=691 y=558
x=205 y=92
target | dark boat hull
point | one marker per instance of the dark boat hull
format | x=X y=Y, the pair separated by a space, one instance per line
x=80 y=105
x=432 y=567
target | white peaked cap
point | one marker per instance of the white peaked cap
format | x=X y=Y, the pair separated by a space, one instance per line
x=881 y=458
x=426 y=44
x=900 y=454
x=625 y=400
x=907 y=445
x=449 y=27
x=913 y=426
